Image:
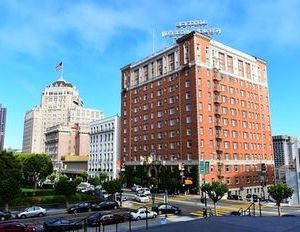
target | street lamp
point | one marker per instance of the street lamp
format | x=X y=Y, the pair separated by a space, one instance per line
x=181 y=169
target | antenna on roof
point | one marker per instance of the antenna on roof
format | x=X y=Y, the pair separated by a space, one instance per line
x=187 y=27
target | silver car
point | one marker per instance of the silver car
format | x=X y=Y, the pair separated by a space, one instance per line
x=34 y=211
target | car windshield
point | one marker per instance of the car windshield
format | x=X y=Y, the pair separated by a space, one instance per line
x=143 y=196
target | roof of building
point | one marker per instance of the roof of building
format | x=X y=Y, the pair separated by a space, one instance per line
x=61 y=82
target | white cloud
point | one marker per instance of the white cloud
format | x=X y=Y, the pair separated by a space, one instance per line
x=33 y=27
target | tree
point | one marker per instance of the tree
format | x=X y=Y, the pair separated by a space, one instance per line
x=215 y=191
x=65 y=187
x=280 y=192
x=10 y=177
x=84 y=176
x=112 y=186
x=102 y=177
x=36 y=167
x=78 y=180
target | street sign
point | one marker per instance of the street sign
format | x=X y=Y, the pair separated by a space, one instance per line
x=188 y=182
x=204 y=167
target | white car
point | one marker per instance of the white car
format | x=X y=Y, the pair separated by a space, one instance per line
x=142 y=213
x=34 y=211
x=146 y=191
x=85 y=187
x=141 y=198
x=138 y=188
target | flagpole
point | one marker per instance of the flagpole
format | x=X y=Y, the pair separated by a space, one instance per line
x=62 y=71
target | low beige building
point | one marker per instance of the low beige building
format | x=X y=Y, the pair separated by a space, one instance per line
x=74 y=164
x=66 y=141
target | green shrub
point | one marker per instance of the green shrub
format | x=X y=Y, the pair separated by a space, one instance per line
x=51 y=199
x=37 y=192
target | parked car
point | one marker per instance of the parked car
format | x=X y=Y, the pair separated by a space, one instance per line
x=94 y=219
x=235 y=197
x=142 y=213
x=105 y=194
x=34 y=211
x=79 y=208
x=252 y=197
x=61 y=224
x=15 y=226
x=85 y=187
x=5 y=215
x=111 y=219
x=166 y=208
x=138 y=188
x=141 y=198
x=144 y=191
x=134 y=187
x=105 y=205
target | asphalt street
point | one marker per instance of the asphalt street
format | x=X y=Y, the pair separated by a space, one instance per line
x=190 y=205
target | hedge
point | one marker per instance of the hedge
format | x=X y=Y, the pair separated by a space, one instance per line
x=37 y=192
x=37 y=200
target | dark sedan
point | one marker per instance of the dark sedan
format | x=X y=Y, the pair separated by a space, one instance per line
x=15 y=226
x=80 y=207
x=4 y=215
x=61 y=224
x=166 y=208
x=95 y=218
x=110 y=219
x=105 y=205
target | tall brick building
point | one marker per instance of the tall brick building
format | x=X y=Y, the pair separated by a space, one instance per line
x=199 y=100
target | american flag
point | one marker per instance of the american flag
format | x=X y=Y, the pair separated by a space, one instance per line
x=59 y=67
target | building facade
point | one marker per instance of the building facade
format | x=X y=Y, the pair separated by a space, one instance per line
x=286 y=148
x=69 y=140
x=199 y=100
x=60 y=105
x=104 y=153
x=2 y=126
x=287 y=163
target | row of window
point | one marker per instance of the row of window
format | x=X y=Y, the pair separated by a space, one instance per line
x=104 y=127
x=102 y=138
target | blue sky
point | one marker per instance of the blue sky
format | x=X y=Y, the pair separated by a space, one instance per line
x=95 y=39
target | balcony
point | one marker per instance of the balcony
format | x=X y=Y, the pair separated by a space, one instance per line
x=217 y=100
x=218 y=112
x=219 y=135
x=217 y=89
x=216 y=77
x=219 y=148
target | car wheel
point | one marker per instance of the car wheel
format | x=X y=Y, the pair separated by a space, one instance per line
x=115 y=207
x=2 y=218
x=89 y=210
x=138 y=218
x=75 y=211
x=176 y=212
x=154 y=216
x=41 y=215
x=23 y=216
x=159 y=212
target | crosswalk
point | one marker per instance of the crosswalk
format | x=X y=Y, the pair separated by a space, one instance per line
x=221 y=210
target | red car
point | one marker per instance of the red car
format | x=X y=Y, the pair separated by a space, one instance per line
x=15 y=226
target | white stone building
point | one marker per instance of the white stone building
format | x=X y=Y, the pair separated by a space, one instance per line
x=60 y=105
x=104 y=154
